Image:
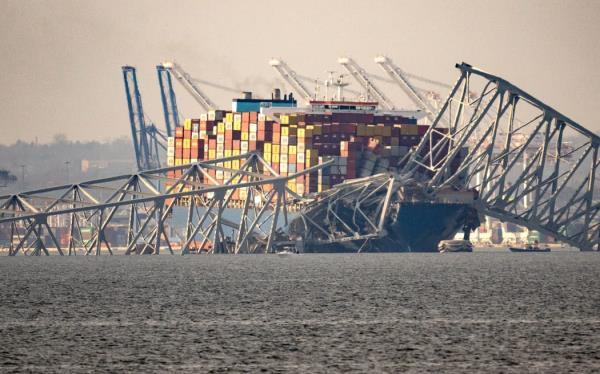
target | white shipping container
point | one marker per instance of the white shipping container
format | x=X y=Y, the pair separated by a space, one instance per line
x=252 y=137
x=203 y=117
x=220 y=139
x=253 y=127
x=171 y=141
x=244 y=146
x=300 y=157
x=284 y=140
x=262 y=117
x=211 y=116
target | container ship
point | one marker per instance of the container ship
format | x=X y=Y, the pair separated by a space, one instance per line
x=360 y=139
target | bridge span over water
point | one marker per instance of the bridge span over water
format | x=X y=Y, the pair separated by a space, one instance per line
x=526 y=163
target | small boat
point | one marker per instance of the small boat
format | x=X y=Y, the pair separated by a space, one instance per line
x=529 y=248
x=286 y=252
x=455 y=246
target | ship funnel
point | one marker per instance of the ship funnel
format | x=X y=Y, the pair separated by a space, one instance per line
x=247 y=95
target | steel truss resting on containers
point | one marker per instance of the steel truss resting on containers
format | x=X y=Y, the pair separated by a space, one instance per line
x=520 y=163
x=145 y=203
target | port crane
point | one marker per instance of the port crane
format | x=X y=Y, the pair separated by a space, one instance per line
x=361 y=77
x=291 y=78
x=190 y=85
x=168 y=99
x=147 y=140
x=401 y=79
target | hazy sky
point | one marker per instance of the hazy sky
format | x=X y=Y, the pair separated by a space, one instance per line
x=62 y=59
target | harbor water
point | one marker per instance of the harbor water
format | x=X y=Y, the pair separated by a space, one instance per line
x=458 y=312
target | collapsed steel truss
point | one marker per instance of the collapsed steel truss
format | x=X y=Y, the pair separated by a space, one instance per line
x=352 y=211
x=530 y=164
x=144 y=201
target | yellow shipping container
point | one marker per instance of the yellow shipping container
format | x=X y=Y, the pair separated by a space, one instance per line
x=235 y=152
x=227 y=164
x=275 y=148
x=237 y=126
x=267 y=156
x=267 y=147
x=229 y=117
x=244 y=135
x=186 y=143
x=301 y=133
x=292 y=149
x=220 y=128
x=227 y=153
x=275 y=157
x=409 y=130
x=187 y=124
x=235 y=164
x=284 y=119
x=211 y=154
x=285 y=131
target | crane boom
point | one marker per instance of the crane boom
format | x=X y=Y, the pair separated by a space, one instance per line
x=145 y=153
x=168 y=100
x=188 y=83
x=291 y=78
x=401 y=80
x=361 y=77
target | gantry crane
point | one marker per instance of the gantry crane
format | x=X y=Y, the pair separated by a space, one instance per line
x=146 y=138
x=361 y=77
x=291 y=78
x=188 y=83
x=401 y=79
x=168 y=100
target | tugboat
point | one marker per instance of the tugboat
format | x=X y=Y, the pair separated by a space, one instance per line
x=530 y=248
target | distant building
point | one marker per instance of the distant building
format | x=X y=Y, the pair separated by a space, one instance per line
x=94 y=165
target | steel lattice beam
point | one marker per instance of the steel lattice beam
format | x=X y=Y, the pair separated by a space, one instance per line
x=143 y=202
x=530 y=164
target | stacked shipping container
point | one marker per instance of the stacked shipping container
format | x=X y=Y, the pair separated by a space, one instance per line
x=359 y=144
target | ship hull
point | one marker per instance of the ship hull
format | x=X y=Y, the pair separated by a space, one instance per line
x=419 y=227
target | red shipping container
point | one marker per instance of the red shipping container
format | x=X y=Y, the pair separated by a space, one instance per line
x=245 y=117
x=187 y=153
x=236 y=145
x=253 y=117
x=187 y=134
x=179 y=132
x=261 y=126
x=179 y=153
x=194 y=153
